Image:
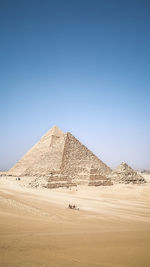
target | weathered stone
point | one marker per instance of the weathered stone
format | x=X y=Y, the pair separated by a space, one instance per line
x=100 y=183
x=60 y=160
x=125 y=174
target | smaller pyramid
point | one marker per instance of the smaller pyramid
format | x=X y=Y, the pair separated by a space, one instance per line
x=125 y=174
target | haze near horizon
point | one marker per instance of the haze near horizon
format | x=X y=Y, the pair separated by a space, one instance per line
x=83 y=66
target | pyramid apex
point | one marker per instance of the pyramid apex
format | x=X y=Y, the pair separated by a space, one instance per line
x=123 y=167
x=124 y=164
x=56 y=131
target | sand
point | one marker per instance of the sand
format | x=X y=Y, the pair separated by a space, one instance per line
x=111 y=228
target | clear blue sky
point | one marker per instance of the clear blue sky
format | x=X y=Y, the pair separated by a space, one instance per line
x=82 y=65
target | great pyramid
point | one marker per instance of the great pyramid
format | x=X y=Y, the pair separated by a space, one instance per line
x=60 y=160
x=125 y=174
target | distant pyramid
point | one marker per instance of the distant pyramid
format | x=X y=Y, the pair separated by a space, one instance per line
x=125 y=174
x=59 y=159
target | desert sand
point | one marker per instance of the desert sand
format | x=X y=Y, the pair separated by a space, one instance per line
x=111 y=228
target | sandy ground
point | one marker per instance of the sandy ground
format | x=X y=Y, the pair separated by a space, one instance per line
x=111 y=229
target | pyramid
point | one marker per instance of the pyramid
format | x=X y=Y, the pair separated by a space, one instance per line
x=60 y=160
x=125 y=174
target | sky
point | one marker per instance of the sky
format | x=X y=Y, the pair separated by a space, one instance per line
x=81 y=65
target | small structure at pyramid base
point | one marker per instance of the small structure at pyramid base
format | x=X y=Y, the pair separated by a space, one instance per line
x=60 y=160
x=97 y=179
x=126 y=175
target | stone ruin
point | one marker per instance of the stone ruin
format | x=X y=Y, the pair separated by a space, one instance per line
x=60 y=160
x=126 y=175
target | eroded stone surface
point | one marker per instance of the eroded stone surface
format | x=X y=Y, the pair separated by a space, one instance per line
x=125 y=174
x=60 y=160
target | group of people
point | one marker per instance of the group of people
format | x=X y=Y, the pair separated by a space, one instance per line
x=72 y=207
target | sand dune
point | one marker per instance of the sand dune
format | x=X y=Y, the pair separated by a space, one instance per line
x=111 y=228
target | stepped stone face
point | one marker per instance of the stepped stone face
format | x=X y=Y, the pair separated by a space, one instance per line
x=60 y=160
x=125 y=174
x=97 y=178
x=78 y=160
